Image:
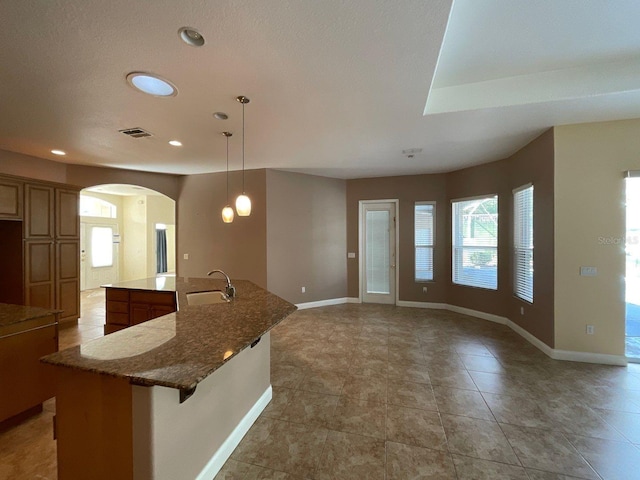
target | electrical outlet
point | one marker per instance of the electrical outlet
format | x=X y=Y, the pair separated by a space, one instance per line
x=185 y=256
x=304 y=289
x=588 y=271
x=521 y=310
x=591 y=329
x=424 y=289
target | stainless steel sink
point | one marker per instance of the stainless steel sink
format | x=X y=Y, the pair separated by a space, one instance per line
x=207 y=298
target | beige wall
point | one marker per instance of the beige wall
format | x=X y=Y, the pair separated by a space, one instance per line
x=306 y=236
x=238 y=248
x=590 y=161
x=83 y=175
x=135 y=239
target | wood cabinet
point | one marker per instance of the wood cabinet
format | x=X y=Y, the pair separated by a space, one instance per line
x=10 y=199
x=52 y=249
x=131 y=307
x=41 y=249
x=39 y=217
x=26 y=382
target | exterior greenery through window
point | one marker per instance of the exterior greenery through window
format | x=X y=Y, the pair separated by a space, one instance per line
x=475 y=242
x=523 y=242
x=424 y=226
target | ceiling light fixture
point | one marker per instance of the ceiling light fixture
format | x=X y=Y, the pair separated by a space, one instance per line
x=220 y=116
x=152 y=84
x=227 y=211
x=191 y=36
x=58 y=152
x=175 y=143
x=243 y=202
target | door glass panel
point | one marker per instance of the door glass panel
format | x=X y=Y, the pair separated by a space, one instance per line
x=377 y=251
x=101 y=247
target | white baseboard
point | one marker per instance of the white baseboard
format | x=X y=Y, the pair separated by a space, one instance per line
x=475 y=313
x=567 y=355
x=436 y=306
x=226 y=449
x=587 y=357
x=323 y=303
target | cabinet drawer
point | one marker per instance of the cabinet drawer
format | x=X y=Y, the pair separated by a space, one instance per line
x=153 y=298
x=117 y=294
x=116 y=318
x=117 y=307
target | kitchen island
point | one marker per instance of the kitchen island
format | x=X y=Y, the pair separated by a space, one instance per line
x=171 y=397
x=26 y=334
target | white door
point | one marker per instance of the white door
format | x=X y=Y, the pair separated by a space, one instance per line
x=378 y=251
x=99 y=255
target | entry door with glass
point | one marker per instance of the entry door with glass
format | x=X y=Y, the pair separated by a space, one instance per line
x=99 y=255
x=378 y=238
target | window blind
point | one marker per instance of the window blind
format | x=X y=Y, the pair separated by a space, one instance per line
x=523 y=242
x=424 y=224
x=475 y=242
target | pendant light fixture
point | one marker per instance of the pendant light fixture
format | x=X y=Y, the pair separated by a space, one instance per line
x=227 y=211
x=243 y=203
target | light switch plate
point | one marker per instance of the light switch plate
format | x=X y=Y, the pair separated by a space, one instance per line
x=588 y=271
x=351 y=255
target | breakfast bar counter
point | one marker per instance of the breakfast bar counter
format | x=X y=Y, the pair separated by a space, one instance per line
x=171 y=397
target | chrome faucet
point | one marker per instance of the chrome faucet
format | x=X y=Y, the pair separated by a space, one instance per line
x=230 y=290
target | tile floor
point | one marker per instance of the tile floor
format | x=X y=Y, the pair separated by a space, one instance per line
x=379 y=392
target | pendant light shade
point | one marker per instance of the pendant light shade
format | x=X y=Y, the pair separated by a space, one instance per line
x=243 y=202
x=227 y=214
x=243 y=205
x=227 y=211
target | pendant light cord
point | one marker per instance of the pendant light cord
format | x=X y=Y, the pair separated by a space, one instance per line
x=227 y=136
x=243 y=148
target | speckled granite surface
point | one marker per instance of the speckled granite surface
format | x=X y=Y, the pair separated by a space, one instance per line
x=180 y=349
x=12 y=314
x=157 y=284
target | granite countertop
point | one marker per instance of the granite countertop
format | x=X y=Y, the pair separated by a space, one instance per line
x=12 y=314
x=156 y=284
x=181 y=349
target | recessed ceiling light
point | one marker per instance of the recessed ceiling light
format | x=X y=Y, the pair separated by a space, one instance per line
x=220 y=115
x=175 y=143
x=58 y=152
x=152 y=84
x=191 y=36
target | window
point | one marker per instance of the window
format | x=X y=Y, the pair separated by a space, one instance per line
x=101 y=247
x=523 y=242
x=96 y=207
x=475 y=242
x=424 y=225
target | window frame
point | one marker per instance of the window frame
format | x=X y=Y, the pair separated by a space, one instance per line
x=454 y=247
x=432 y=246
x=518 y=249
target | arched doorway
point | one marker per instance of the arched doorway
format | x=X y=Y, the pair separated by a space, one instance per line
x=127 y=233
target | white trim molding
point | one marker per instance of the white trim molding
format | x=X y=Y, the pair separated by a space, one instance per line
x=326 y=303
x=216 y=462
x=568 y=355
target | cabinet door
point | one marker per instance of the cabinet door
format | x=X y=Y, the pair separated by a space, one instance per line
x=67 y=217
x=39 y=273
x=139 y=313
x=38 y=205
x=68 y=279
x=160 y=310
x=10 y=199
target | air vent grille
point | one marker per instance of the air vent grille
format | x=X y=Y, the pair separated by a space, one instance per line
x=136 y=132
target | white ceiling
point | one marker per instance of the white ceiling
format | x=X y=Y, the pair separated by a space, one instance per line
x=337 y=88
